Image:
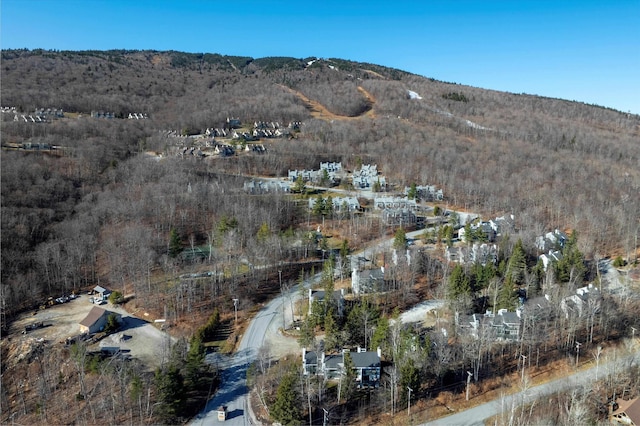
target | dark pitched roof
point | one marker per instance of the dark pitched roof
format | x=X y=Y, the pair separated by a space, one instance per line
x=365 y=359
x=311 y=358
x=94 y=315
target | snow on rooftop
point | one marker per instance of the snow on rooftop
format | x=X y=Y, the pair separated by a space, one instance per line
x=414 y=95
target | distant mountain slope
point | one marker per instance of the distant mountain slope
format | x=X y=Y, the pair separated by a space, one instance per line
x=552 y=162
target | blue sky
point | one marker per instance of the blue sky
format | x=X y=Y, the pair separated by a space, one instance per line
x=586 y=50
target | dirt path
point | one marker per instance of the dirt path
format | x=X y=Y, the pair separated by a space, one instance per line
x=320 y=112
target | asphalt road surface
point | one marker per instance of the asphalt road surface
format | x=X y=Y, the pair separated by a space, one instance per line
x=477 y=415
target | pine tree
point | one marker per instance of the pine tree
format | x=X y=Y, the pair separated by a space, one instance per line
x=175 y=245
x=412 y=194
x=400 y=239
x=285 y=408
x=330 y=331
x=348 y=378
x=459 y=284
x=507 y=297
x=263 y=232
x=299 y=185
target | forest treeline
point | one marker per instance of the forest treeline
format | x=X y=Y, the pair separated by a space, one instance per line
x=552 y=163
x=99 y=210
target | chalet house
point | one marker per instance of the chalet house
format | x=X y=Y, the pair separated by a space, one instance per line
x=367 y=176
x=331 y=167
x=627 y=412
x=366 y=365
x=367 y=281
x=549 y=258
x=319 y=295
x=95 y=320
x=306 y=175
x=426 y=192
x=384 y=203
x=233 y=123
x=399 y=217
x=340 y=204
x=587 y=299
x=477 y=253
x=486 y=228
x=507 y=324
x=255 y=186
x=503 y=326
x=551 y=241
x=503 y=224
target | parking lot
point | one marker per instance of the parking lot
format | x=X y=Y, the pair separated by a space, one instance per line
x=136 y=338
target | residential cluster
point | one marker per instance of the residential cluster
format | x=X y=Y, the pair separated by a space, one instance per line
x=366 y=365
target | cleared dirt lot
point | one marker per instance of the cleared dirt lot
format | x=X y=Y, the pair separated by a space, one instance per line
x=137 y=338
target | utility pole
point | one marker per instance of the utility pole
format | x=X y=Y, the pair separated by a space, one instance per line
x=470 y=375
x=235 y=308
x=578 y=344
x=409 y=402
x=282 y=293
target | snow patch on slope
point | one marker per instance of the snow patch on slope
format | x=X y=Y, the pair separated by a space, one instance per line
x=414 y=95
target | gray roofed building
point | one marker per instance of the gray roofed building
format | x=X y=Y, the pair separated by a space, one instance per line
x=367 y=281
x=365 y=363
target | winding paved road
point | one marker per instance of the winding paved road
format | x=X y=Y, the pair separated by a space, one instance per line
x=477 y=415
x=233 y=391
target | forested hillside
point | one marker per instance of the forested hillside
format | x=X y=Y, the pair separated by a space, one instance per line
x=552 y=163
x=92 y=198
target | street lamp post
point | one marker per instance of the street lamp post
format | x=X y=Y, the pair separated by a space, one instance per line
x=578 y=344
x=524 y=359
x=470 y=375
x=409 y=402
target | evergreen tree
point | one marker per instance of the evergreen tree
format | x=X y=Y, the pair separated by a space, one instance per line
x=307 y=333
x=328 y=206
x=195 y=365
x=571 y=266
x=175 y=245
x=319 y=207
x=517 y=265
x=263 y=232
x=348 y=378
x=324 y=180
x=409 y=378
x=400 y=239
x=170 y=391
x=507 y=296
x=459 y=284
x=331 y=338
x=299 y=185
x=286 y=408
x=380 y=338
x=412 y=194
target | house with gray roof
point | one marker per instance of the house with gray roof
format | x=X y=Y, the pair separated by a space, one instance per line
x=367 y=281
x=366 y=365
